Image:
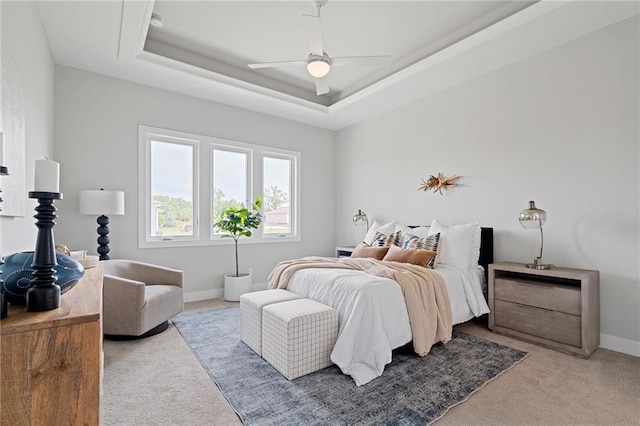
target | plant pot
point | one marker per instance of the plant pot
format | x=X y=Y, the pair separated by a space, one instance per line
x=234 y=287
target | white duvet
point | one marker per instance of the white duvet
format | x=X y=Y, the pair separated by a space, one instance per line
x=373 y=317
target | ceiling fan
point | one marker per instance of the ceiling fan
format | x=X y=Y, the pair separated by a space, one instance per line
x=318 y=63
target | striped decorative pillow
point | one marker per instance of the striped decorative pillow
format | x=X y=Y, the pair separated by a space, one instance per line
x=427 y=243
x=381 y=240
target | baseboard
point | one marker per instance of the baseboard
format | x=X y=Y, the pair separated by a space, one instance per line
x=619 y=344
x=204 y=295
x=217 y=293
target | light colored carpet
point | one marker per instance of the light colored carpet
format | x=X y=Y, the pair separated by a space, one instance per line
x=158 y=381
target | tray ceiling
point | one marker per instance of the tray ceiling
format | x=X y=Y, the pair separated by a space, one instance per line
x=204 y=47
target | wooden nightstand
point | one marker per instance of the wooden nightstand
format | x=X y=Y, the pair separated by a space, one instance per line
x=344 y=251
x=558 y=308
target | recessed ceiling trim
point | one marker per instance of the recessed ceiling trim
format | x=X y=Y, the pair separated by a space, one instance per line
x=225 y=82
x=136 y=16
x=510 y=40
x=504 y=43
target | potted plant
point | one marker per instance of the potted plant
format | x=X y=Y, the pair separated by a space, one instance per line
x=237 y=222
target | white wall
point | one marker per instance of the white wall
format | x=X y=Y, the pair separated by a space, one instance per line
x=560 y=128
x=26 y=50
x=96 y=136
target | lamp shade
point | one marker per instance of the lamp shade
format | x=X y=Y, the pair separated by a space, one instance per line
x=101 y=202
x=360 y=218
x=532 y=217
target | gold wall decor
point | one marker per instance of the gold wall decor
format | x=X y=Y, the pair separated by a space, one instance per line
x=438 y=183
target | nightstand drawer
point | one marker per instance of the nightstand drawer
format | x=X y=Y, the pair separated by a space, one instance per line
x=550 y=296
x=551 y=325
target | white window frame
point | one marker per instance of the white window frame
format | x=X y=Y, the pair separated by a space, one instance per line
x=146 y=135
x=222 y=145
x=293 y=193
x=203 y=187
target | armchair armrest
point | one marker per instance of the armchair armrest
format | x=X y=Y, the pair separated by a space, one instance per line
x=123 y=292
x=147 y=273
x=159 y=275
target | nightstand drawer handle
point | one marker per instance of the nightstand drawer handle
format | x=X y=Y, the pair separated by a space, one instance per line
x=537 y=308
x=536 y=284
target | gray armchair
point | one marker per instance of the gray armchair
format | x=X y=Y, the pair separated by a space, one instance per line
x=139 y=298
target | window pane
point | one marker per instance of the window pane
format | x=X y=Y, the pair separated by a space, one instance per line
x=171 y=189
x=277 y=195
x=229 y=181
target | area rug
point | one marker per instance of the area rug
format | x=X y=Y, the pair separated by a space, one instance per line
x=412 y=390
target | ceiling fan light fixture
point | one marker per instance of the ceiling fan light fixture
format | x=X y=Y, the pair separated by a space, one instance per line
x=156 y=21
x=319 y=67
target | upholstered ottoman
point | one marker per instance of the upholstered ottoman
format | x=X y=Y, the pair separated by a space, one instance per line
x=298 y=336
x=251 y=305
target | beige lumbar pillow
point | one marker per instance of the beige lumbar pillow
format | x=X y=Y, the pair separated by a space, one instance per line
x=363 y=250
x=419 y=257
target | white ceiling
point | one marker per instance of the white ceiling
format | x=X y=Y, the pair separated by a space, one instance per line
x=233 y=34
x=204 y=47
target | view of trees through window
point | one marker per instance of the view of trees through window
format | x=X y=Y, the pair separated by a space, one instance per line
x=171 y=193
x=174 y=216
x=236 y=173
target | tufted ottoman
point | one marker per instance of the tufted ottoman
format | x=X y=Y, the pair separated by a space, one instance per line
x=251 y=305
x=298 y=336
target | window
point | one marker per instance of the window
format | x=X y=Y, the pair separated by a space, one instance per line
x=231 y=175
x=278 y=195
x=170 y=204
x=185 y=177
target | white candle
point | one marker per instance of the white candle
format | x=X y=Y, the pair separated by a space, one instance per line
x=47 y=176
x=2 y=149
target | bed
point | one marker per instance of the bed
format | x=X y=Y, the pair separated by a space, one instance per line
x=373 y=314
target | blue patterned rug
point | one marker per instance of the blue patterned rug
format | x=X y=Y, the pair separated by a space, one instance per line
x=412 y=390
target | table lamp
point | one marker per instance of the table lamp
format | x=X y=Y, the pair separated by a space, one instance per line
x=534 y=218
x=102 y=203
x=360 y=218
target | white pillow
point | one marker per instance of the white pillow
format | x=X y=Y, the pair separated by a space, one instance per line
x=459 y=244
x=420 y=231
x=386 y=229
x=404 y=229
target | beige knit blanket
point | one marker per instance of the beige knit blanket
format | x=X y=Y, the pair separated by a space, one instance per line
x=425 y=292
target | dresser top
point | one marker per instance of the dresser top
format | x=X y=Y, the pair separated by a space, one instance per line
x=83 y=303
x=555 y=271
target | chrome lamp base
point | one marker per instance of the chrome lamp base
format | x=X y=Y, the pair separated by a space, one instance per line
x=537 y=264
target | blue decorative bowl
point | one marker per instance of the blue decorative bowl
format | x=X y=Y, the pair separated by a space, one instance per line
x=17 y=274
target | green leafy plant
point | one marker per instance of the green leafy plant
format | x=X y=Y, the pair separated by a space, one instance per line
x=237 y=222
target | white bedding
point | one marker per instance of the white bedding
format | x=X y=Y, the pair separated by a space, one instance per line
x=373 y=318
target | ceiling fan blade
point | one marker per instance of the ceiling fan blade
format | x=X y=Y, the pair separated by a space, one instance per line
x=315 y=35
x=277 y=64
x=322 y=86
x=362 y=61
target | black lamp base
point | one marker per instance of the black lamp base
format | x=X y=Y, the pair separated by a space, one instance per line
x=103 y=239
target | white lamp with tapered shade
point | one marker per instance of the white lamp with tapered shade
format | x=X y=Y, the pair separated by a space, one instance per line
x=102 y=203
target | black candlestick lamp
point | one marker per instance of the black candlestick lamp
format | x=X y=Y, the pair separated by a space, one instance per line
x=44 y=294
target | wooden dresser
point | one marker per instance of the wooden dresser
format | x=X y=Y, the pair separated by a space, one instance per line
x=51 y=362
x=557 y=308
